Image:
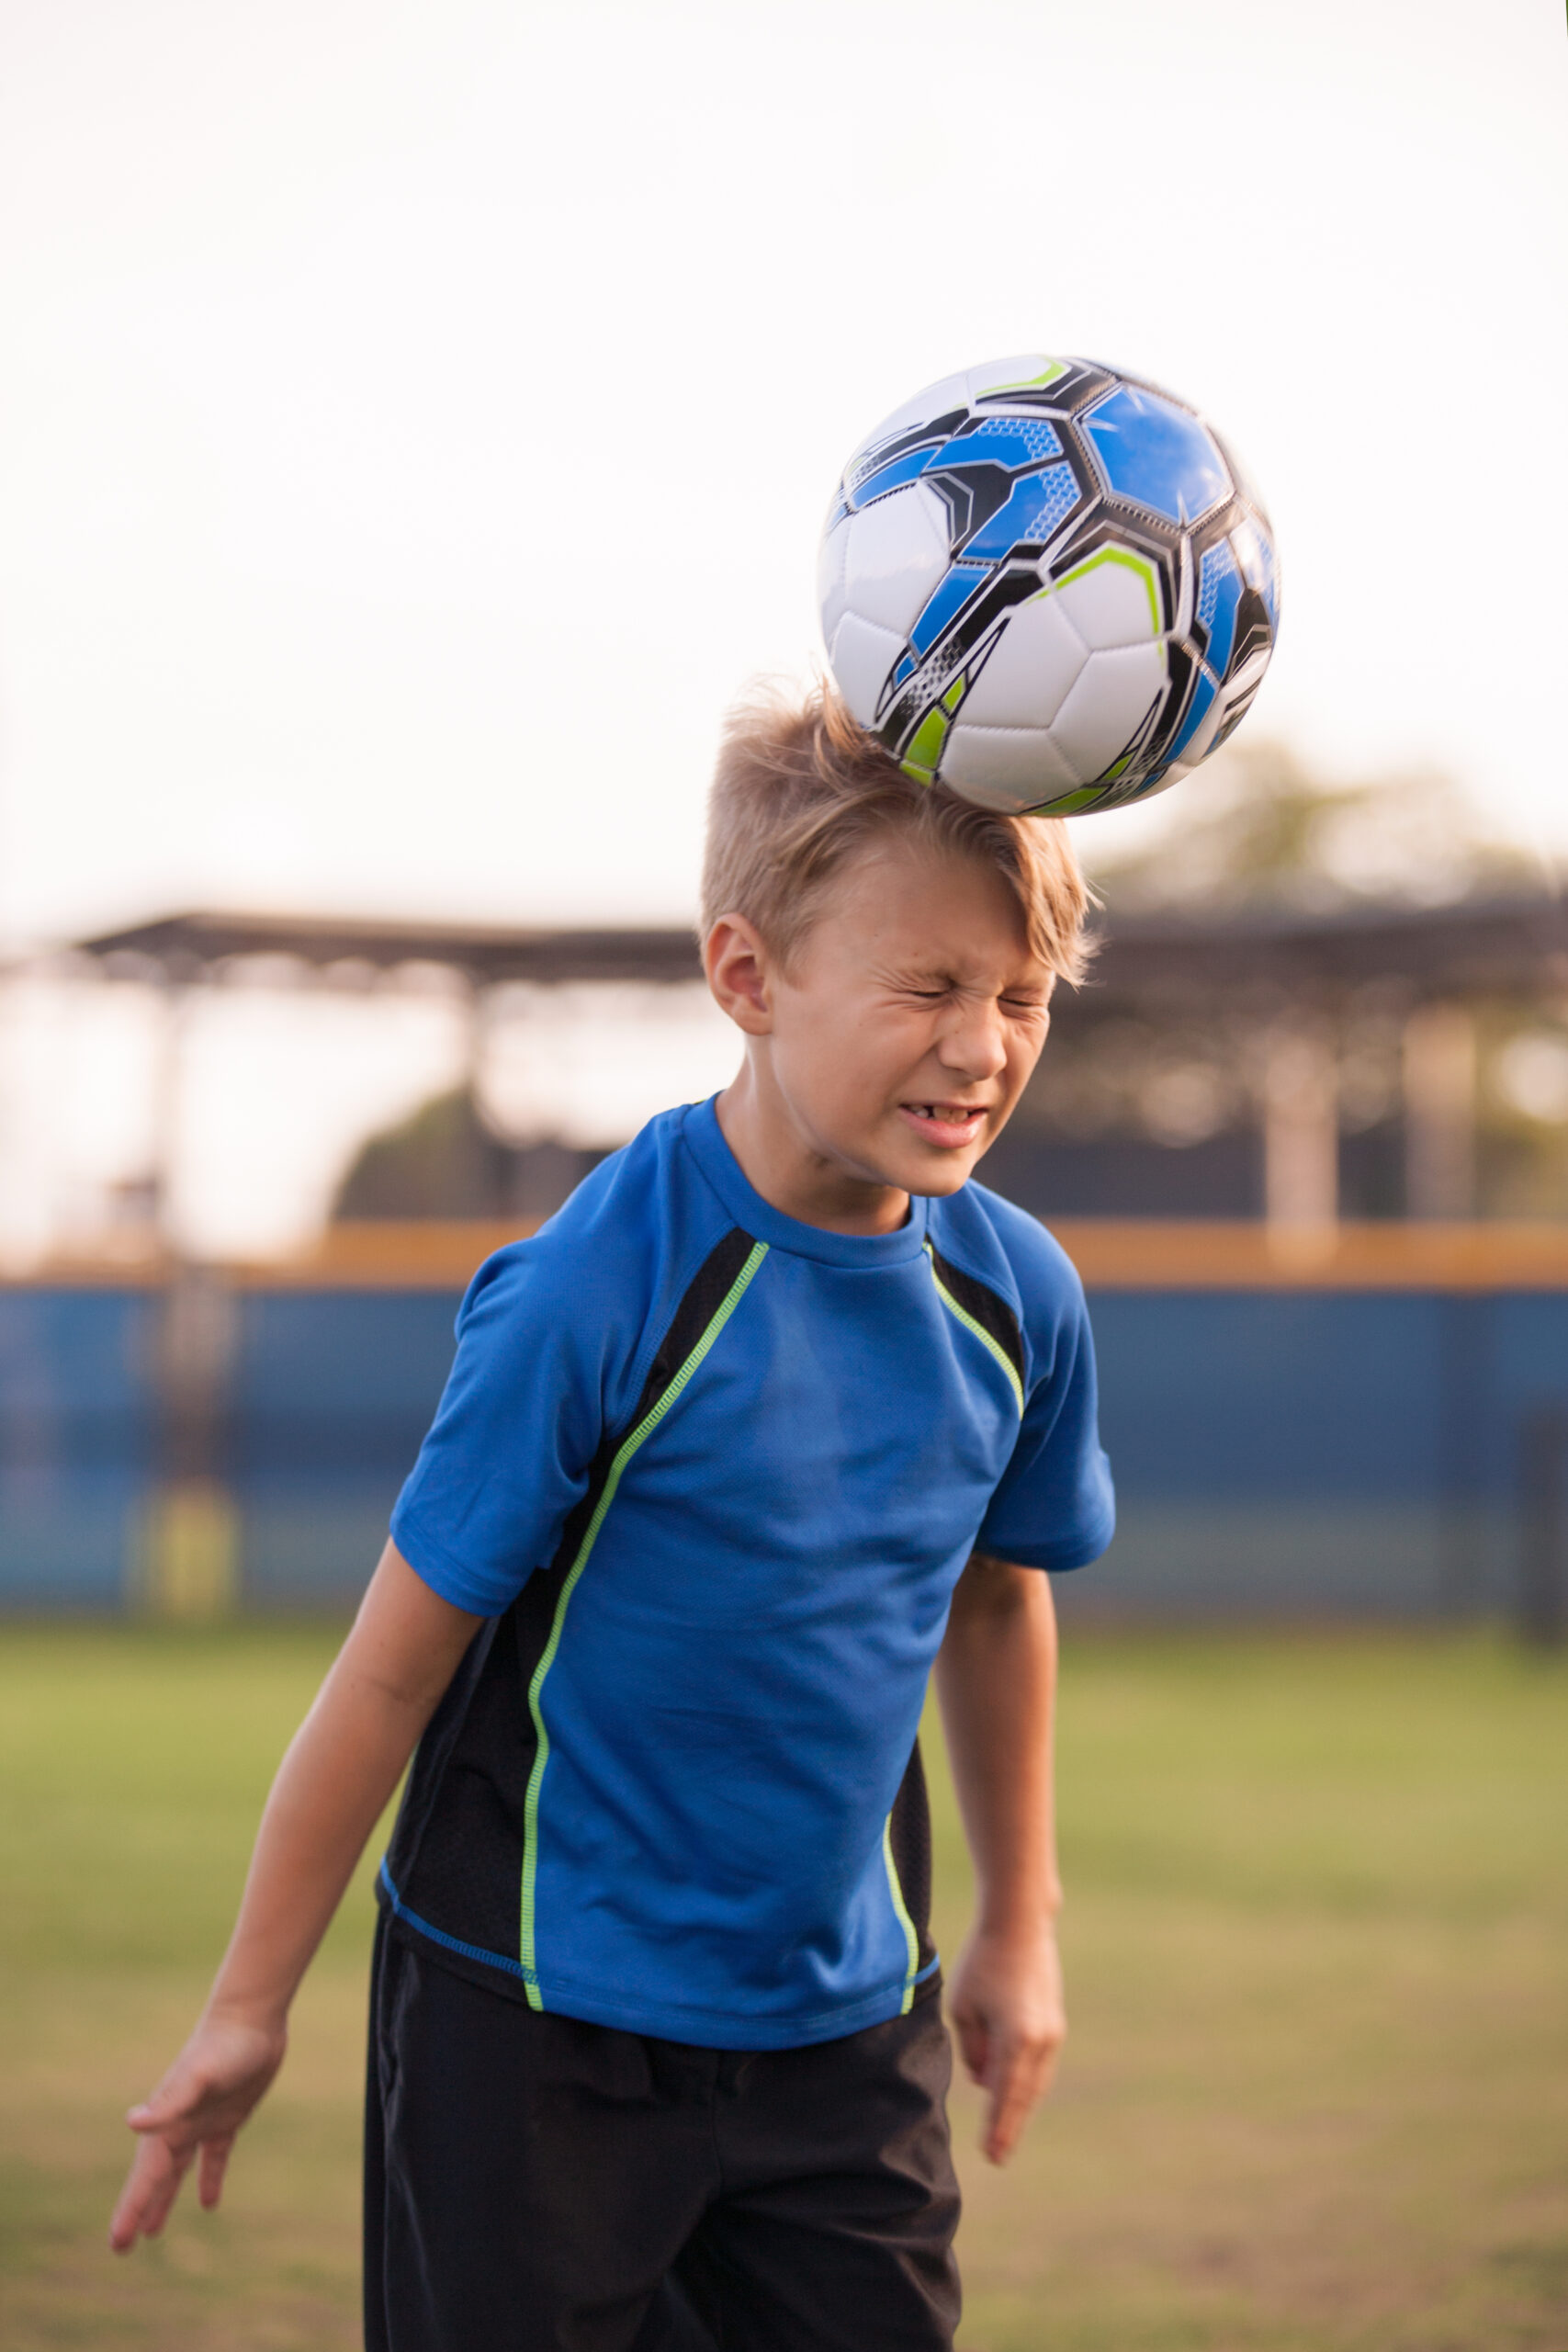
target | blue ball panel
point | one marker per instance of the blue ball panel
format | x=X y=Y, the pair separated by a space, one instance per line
x=893 y=476
x=1198 y=710
x=1155 y=455
x=947 y=602
x=1219 y=593
x=1011 y=441
x=1038 y=503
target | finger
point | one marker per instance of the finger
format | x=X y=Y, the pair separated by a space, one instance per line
x=215 y=2155
x=161 y=2190
x=175 y=2102
x=154 y=2115
x=135 y=2198
x=150 y=2190
x=1020 y=2078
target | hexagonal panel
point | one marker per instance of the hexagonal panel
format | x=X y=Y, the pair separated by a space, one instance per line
x=832 y=558
x=1107 y=706
x=1155 y=455
x=862 y=656
x=1005 y=767
x=898 y=552
x=1113 y=599
x=1031 y=671
x=1255 y=552
x=935 y=400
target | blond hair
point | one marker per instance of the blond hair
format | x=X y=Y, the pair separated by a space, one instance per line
x=800 y=788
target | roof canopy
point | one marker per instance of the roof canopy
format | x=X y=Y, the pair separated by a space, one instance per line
x=195 y=948
x=1478 y=945
x=1490 y=944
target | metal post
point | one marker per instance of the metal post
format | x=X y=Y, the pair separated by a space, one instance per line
x=1466 y=1381
x=190 y=1566
x=1439 y=1112
x=1543 y=1526
x=1300 y=1141
x=186 y=1559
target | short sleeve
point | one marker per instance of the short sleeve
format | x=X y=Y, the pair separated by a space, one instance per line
x=1055 y=1506
x=509 y=1452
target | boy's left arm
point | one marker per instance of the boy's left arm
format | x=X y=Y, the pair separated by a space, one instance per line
x=995 y=1678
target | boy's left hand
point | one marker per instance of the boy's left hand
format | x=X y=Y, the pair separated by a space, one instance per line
x=1006 y=2006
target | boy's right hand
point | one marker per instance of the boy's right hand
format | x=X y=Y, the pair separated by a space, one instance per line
x=200 y=2103
x=342 y=1766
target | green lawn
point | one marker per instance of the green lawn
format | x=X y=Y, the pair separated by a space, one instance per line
x=1317 y=1942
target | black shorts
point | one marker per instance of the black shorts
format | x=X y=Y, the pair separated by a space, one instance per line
x=532 y=2182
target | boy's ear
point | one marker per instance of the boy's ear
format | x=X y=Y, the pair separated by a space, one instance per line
x=737 y=964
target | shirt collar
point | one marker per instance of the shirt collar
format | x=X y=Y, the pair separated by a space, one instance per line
x=704 y=1138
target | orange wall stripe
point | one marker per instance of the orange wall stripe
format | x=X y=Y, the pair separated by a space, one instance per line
x=1110 y=1253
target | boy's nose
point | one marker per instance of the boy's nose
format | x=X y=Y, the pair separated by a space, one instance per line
x=974 y=1043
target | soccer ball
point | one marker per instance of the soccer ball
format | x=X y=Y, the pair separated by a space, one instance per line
x=1049 y=585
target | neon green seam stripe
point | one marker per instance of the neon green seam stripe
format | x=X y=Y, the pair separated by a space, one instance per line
x=623 y=1454
x=1054 y=367
x=911 y=1940
x=980 y=1332
x=1133 y=563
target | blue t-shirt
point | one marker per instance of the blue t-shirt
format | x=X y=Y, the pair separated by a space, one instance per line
x=711 y=1475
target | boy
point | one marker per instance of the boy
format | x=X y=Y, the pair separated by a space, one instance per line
x=776 y=1412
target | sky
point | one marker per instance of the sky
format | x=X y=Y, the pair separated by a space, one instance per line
x=416 y=420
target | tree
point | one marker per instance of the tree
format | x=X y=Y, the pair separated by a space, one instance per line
x=1254 y=829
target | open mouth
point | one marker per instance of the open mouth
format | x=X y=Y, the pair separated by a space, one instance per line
x=949 y=1125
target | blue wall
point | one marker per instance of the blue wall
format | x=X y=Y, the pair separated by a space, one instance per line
x=1302 y=1450
x=77 y=1443
x=332 y=1392
x=1287 y=1451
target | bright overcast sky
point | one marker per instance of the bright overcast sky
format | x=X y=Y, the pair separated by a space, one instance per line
x=418 y=418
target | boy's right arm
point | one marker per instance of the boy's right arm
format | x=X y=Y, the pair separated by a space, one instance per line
x=342 y=1766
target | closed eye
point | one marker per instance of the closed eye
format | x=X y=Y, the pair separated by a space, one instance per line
x=1018 y=1007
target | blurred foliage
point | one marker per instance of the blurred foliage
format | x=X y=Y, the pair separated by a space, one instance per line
x=1256 y=828
x=440 y=1161
x=1254 y=832
x=445 y=1161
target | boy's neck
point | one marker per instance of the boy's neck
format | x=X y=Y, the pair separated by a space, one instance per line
x=780 y=1161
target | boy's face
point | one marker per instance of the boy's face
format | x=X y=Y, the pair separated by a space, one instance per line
x=903 y=1032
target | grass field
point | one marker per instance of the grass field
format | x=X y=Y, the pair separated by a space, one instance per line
x=1317 y=1943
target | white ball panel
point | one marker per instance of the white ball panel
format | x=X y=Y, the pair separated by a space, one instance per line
x=898 y=552
x=935 y=400
x=1109 y=605
x=1033 y=670
x=1005 y=767
x=1021 y=370
x=861 y=655
x=832 y=558
x=1101 y=715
